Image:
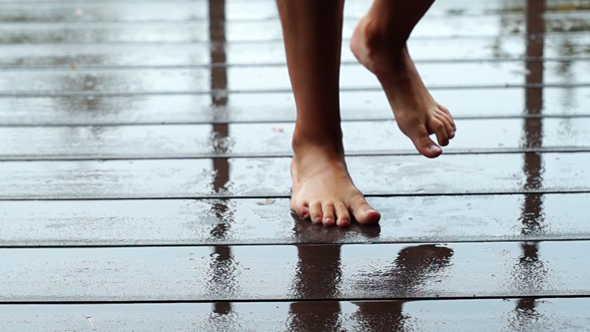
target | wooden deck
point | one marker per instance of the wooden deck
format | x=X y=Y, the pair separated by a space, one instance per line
x=144 y=185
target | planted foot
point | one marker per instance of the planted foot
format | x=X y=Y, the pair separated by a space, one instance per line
x=417 y=114
x=323 y=190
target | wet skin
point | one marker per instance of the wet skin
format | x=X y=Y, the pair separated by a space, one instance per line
x=417 y=114
x=323 y=190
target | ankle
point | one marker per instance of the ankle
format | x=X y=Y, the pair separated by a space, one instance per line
x=329 y=145
x=378 y=38
x=377 y=50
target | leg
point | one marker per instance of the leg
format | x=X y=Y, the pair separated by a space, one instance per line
x=379 y=43
x=322 y=187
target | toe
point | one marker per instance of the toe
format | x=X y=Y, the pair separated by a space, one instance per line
x=363 y=212
x=315 y=212
x=304 y=213
x=439 y=129
x=442 y=108
x=328 y=212
x=424 y=144
x=343 y=217
x=448 y=127
x=301 y=209
x=447 y=114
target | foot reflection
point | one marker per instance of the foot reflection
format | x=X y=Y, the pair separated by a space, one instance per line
x=380 y=316
x=318 y=273
x=416 y=265
x=413 y=267
x=315 y=316
x=304 y=231
x=318 y=277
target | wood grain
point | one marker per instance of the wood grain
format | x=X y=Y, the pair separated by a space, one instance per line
x=241 y=31
x=259 y=221
x=274 y=139
x=262 y=79
x=268 y=177
x=518 y=315
x=191 y=54
x=271 y=107
x=141 y=11
x=380 y=271
x=193 y=204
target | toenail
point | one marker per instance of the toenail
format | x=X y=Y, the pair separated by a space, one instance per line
x=317 y=220
x=434 y=148
x=305 y=216
x=328 y=220
x=369 y=211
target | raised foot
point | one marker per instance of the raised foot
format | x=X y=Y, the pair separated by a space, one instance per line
x=417 y=114
x=323 y=190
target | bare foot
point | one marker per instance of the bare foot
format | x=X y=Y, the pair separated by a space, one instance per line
x=417 y=114
x=323 y=190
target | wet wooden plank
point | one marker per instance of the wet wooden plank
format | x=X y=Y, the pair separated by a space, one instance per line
x=254 y=11
x=260 y=221
x=245 y=31
x=271 y=107
x=128 y=11
x=508 y=48
x=271 y=53
x=57 y=12
x=274 y=139
x=378 y=271
x=446 y=315
x=261 y=79
x=268 y=177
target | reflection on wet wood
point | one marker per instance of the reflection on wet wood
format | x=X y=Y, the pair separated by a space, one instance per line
x=222 y=267
x=268 y=177
x=193 y=55
x=274 y=139
x=129 y=82
x=215 y=229
x=35 y=11
x=519 y=315
x=261 y=221
x=532 y=219
x=80 y=32
x=378 y=271
x=99 y=11
x=273 y=107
